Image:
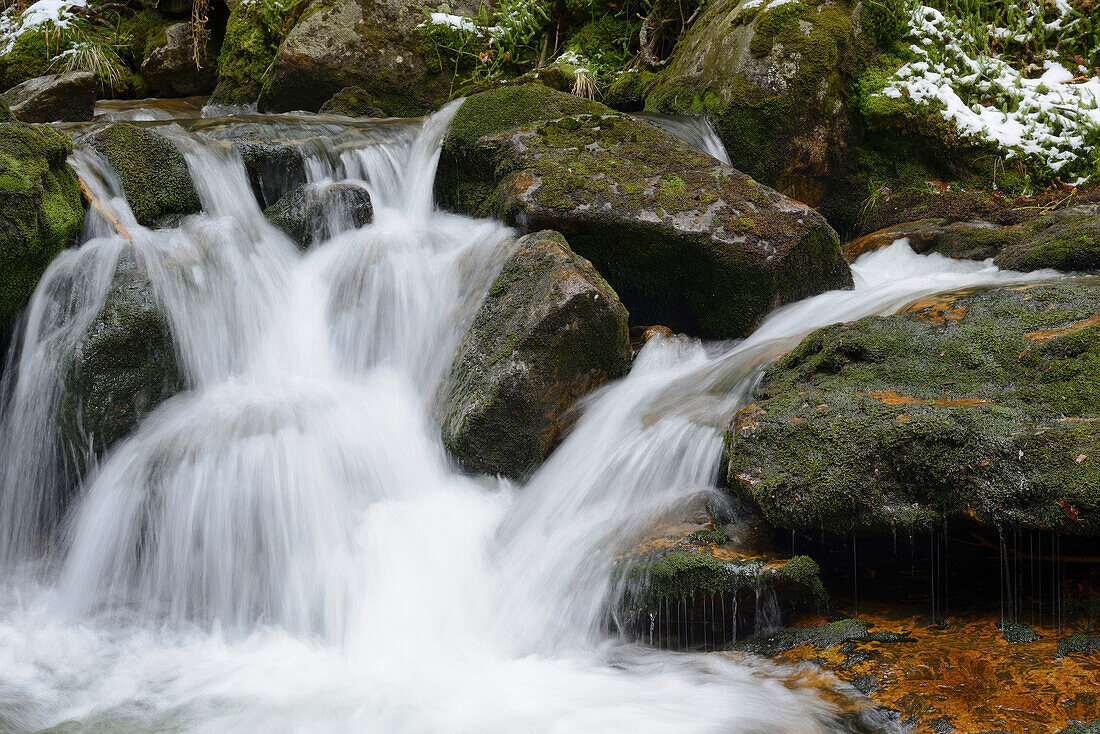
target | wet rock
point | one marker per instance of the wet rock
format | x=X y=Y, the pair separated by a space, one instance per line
x=40 y=211
x=774 y=79
x=170 y=68
x=1092 y=727
x=154 y=174
x=826 y=635
x=1016 y=632
x=373 y=45
x=68 y=97
x=274 y=169
x=1081 y=643
x=315 y=213
x=685 y=240
x=978 y=406
x=1068 y=240
x=122 y=369
x=550 y=330
x=353 y=102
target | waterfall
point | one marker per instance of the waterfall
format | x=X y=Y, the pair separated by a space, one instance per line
x=285 y=545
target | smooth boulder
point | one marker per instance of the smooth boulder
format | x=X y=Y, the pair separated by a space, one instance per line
x=374 y=45
x=981 y=406
x=313 y=213
x=67 y=97
x=170 y=68
x=40 y=210
x=549 y=331
x=685 y=240
x=154 y=174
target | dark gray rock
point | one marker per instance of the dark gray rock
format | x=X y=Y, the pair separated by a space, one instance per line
x=68 y=97
x=313 y=214
x=550 y=330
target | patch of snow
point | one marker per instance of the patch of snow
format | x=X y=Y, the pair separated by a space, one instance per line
x=58 y=13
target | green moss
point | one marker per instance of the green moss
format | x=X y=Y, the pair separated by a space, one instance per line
x=951 y=412
x=139 y=34
x=609 y=43
x=154 y=174
x=31 y=56
x=628 y=91
x=252 y=37
x=41 y=209
x=354 y=102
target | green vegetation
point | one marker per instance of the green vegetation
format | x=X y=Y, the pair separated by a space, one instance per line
x=41 y=210
x=252 y=36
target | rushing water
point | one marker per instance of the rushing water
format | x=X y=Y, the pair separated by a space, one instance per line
x=286 y=547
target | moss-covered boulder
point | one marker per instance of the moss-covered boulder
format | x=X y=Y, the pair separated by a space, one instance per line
x=1067 y=240
x=67 y=97
x=154 y=174
x=274 y=168
x=978 y=406
x=253 y=33
x=685 y=240
x=686 y=589
x=374 y=45
x=170 y=69
x=353 y=102
x=774 y=77
x=550 y=330
x=40 y=210
x=122 y=369
x=315 y=213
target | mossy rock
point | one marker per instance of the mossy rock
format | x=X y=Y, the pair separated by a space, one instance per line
x=121 y=370
x=154 y=174
x=1080 y=643
x=1066 y=240
x=711 y=587
x=374 y=45
x=353 y=102
x=822 y=636
x=316 y=213
x=774 y=78
x=550 y=330
x=981 y=406
x=29 y=57
x=253 y=33
x=628 y=91
x=685 y=240
x=40 y=210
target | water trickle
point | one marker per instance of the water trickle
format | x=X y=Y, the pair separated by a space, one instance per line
x=286 y=545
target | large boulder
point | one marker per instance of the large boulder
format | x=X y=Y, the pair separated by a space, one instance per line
x=774 y=78
x=374 y=45
x=979 y=406
x=68 y=97
x=1067 y=240
x=685 y=240
x=550 y=330
x=123 y=367
x=170 y=68
x=40 y=210
x=314 y=213
x=154 y=174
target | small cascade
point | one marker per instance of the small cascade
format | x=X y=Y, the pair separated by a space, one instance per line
x=285 y=544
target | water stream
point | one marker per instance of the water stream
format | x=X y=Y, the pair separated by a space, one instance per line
x=286 y=547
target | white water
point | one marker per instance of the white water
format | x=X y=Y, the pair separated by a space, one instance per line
x=286 y=547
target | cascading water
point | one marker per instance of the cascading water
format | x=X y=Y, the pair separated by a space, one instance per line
x=285 y=545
